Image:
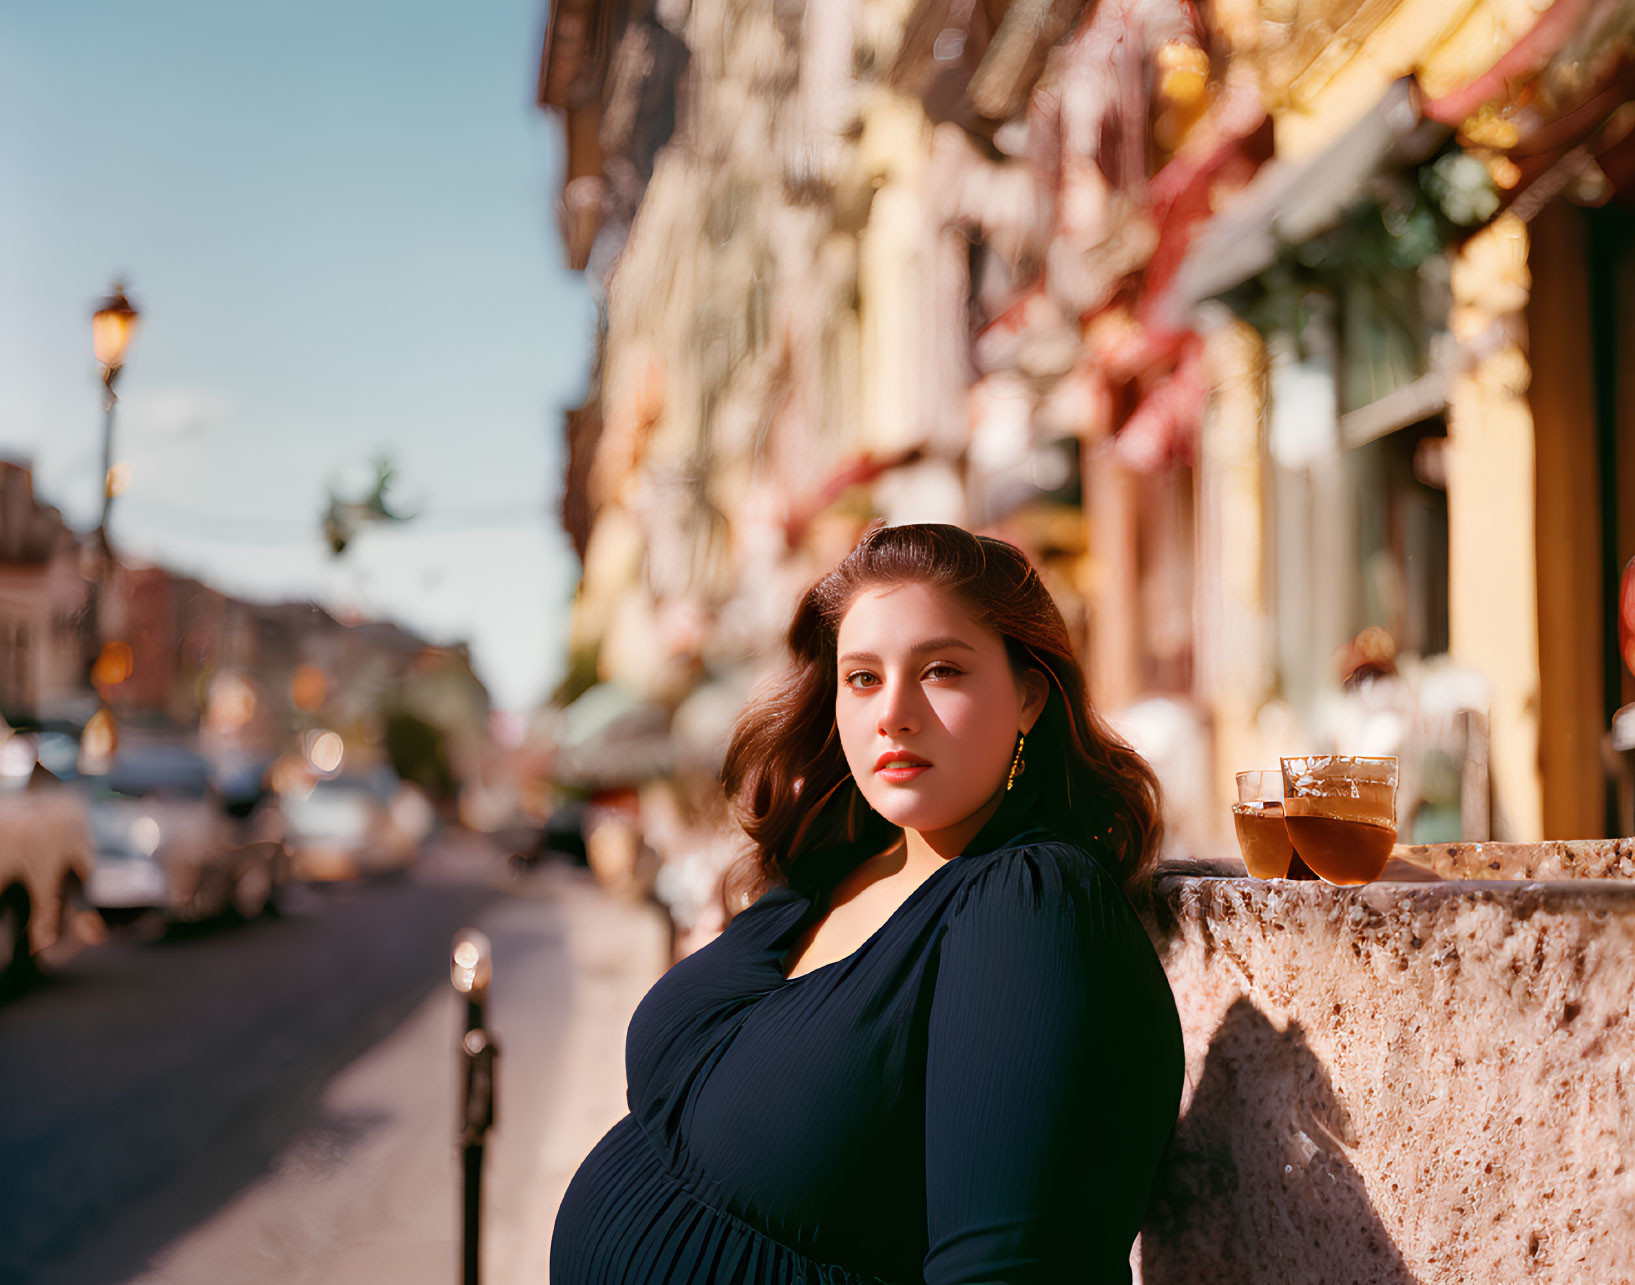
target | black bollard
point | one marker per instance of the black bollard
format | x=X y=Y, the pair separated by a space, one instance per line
x=470 y=969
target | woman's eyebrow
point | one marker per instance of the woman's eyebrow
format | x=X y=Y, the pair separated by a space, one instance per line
x=930 y=644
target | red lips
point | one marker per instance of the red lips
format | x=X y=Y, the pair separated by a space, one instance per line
x=900 y=756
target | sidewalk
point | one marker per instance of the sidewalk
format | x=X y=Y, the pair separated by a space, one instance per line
x=370 y=1191
x=615 y=951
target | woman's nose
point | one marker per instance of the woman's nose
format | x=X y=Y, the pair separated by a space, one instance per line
x=897 y=709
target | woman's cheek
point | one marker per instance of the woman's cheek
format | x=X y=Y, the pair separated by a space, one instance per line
x=855 y=733
x=959 y=715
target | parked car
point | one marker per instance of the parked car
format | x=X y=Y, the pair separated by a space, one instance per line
x=167 y=841
x=45 y=863
x=345 y=827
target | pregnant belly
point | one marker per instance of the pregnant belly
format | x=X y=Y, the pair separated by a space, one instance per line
x=627 y=1220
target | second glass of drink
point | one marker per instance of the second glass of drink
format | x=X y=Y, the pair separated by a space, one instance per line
x=1257 y=817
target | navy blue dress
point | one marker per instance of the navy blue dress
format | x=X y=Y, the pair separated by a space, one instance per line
x=978 y=1093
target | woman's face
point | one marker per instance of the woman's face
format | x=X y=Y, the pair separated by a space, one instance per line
x=919 y=679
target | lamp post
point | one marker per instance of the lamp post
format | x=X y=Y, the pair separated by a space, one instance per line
x=112 y=326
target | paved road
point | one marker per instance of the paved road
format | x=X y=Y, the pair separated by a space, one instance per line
x=153 y=1088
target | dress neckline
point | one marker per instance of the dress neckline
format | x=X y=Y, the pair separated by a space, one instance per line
x=814 y=903
x=976 y=849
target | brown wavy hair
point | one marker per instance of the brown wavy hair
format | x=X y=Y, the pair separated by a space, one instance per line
x=786 y=777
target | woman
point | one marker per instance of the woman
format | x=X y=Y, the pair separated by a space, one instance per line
x=939 y=1046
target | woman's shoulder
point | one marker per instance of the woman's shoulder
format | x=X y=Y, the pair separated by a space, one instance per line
x=1047 y=920
x=1045 y=883
x=1040 y=862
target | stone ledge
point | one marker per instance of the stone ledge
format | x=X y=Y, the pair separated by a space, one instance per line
x=1417 y=863
x=1401 y=1081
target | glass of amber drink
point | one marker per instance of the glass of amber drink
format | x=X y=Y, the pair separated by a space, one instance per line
x=1257 y=816
x=1341 y=814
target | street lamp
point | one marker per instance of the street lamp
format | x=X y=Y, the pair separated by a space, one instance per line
x=112 y=326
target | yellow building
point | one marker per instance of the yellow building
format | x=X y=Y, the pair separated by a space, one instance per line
x=1227 y=321
x=1441 y=257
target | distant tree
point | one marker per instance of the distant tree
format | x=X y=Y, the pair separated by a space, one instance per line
x=419 y=753
x=343 y=517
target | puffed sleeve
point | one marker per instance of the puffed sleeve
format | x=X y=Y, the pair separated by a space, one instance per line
x=1053 y=1076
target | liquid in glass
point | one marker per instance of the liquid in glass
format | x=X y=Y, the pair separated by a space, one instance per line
x=1340 y=814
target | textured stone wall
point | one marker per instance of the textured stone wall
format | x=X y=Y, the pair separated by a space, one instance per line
x=1429 y=1081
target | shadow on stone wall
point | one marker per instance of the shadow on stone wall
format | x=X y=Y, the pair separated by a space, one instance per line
x=1256 y=1186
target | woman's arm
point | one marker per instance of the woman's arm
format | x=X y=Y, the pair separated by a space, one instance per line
x=1049 y=1066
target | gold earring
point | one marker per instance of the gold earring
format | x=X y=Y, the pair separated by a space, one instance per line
x=1017 y=765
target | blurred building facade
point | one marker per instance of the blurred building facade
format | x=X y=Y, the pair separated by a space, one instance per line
x=253 y=678
x=1282 y=335
x=43 y=658
x=165 y=651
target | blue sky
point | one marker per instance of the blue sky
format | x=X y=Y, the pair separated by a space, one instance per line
x=337 y=221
